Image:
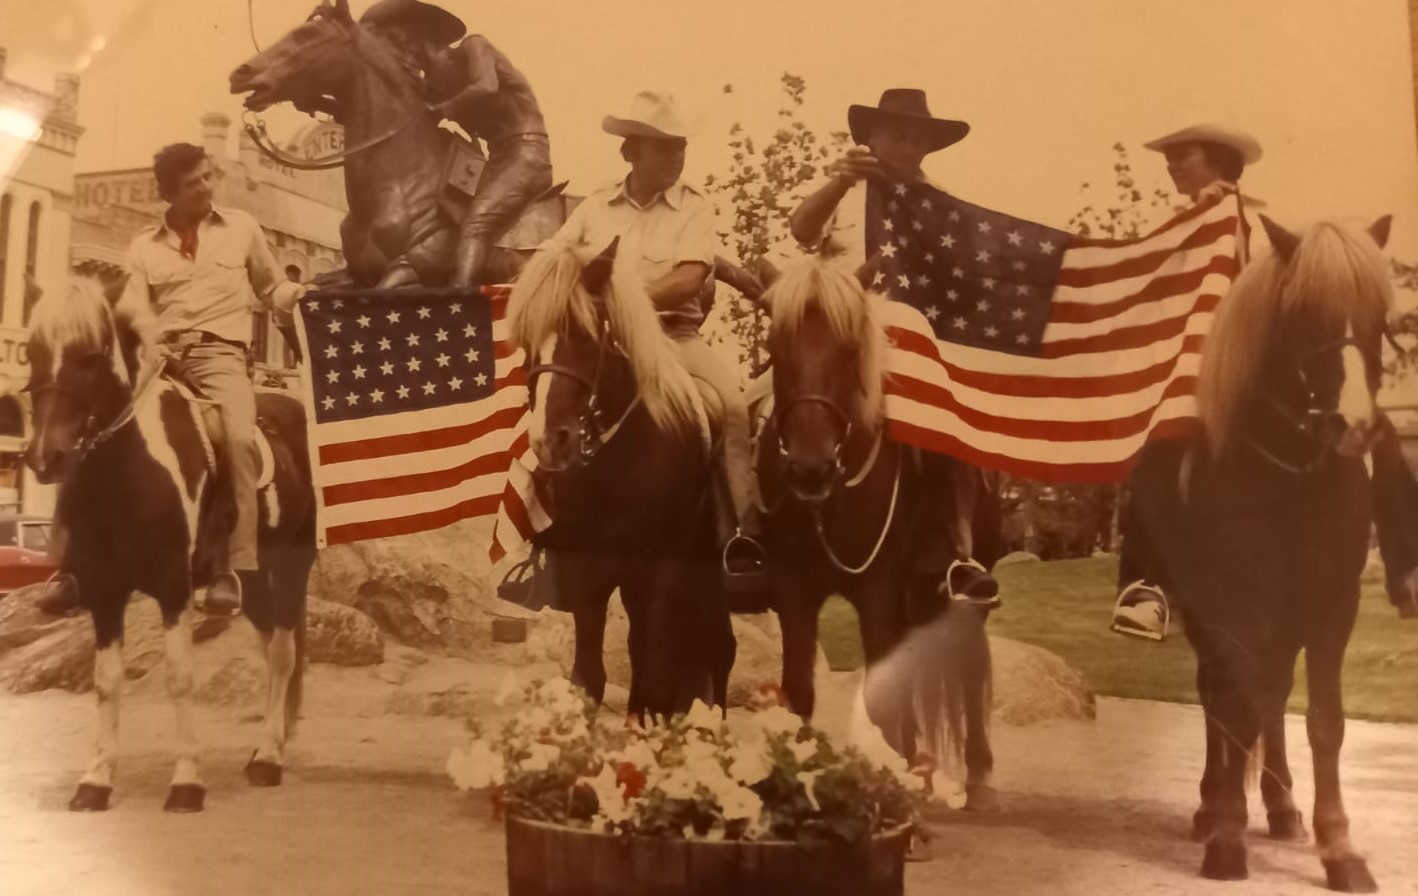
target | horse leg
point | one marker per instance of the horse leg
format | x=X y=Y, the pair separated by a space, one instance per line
x=887 y=691
x=1345 y=869
x=585 y=583
x=106 y=608
x=1284 y=819
x=187 y=793
x=1238 y=723
x=798 y=618
x=1204 y=820
x=279 y=618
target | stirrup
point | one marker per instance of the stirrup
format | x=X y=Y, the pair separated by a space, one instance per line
x=1138 y=629
x=750 y=548
x=991 y=601
x=516 y=586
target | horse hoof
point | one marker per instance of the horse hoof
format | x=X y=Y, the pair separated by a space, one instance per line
x=90 y=798
x=185 y=798
x=260 y=773
x=1225 y=860
x=1203 y=824
x=981 y=798
x=1349 y=876
x=1287 y=824
x=918 y=849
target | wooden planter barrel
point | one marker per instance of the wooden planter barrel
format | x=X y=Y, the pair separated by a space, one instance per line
x=551 y=860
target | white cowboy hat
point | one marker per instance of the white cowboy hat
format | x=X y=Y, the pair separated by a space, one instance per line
x=1239 y=140
x=651 y=114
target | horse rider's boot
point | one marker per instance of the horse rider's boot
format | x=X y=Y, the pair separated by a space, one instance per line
x=468 y=264
x=968 y=582
x=743 y=559
x=1142 y=611
x=223 y=595
x=1403 y=594
x=63 y=596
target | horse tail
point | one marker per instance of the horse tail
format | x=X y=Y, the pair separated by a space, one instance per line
x=953 y=687
x=1255 y=763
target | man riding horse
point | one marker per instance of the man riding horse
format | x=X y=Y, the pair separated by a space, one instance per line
x=897 y=135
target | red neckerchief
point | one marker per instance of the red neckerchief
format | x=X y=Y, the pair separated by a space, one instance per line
x=186 y=239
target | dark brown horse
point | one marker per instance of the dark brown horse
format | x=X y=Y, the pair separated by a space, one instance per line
x=402 y=227
x=140 y=506
x=1263 y=526
x=617 y=428
x=841 y=501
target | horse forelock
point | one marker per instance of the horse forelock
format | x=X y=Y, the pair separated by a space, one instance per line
x=851 y=312
x=1335 y=276
x=78 y=321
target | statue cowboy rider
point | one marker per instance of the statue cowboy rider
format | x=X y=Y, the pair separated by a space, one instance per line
x=475 y=86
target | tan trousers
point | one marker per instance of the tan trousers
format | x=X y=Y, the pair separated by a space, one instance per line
x=219 y=371
x=703 y=363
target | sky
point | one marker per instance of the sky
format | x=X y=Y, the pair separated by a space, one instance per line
x=1047 y=86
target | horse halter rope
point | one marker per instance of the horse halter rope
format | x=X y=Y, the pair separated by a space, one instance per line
x=1308 y=424
x=594 y=436
x=87 y=440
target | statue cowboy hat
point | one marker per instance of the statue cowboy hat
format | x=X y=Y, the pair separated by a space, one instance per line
x=905 y=104
x=437 y=22
x=650 y=114
x=1244 y=144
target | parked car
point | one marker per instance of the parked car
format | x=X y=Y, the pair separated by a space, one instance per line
x=24 y=551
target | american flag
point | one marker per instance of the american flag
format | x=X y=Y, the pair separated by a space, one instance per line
x=414 y=398
x=1049 y=356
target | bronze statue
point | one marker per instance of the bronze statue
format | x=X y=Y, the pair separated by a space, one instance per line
x=410 y=183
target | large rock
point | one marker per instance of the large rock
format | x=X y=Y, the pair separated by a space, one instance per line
x=341 y=635
x=1033 y=685
x=432 y=590
x=39 y=651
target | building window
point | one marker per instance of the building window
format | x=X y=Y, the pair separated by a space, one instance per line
x=32 y=258
x=260 y=337
x=5 y=204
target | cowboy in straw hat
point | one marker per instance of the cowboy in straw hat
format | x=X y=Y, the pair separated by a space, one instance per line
x=666 y=230
x=896 y=135
x=474 y=85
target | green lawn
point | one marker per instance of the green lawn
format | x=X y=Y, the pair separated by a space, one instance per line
x=1064 y=606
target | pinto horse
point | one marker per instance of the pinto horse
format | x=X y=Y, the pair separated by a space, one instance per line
x=140 y=505
x=402 y=227
x=1263 y=526
x=620 y=436
x=840 y=501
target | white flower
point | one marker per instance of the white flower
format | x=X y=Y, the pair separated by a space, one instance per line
x=741 y=803
x=803 y=750
x=610 y=799
x=677 y=785
x=778 y=720
x=541 y=758
x=809 y=781
x=696 y=749
x=476 y=768
x=751 y=763
x=507 y=690
x=700 y=715
x=638 y=753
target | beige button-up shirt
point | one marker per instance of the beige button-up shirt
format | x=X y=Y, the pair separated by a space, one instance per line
x=216 y=291
x=674 y=228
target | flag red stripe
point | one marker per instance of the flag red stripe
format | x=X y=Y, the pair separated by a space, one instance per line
x=1128 y=337
x=414 y=483
x=411 y=443
x=1157 y=289
x=1020 y=386
x=1100 y=242
x=934 y=440
x=1098 y=430
x=416 y=522
x=1147 y=263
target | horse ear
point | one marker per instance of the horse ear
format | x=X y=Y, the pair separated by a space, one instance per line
x=1379 y=230
x=342 y=9
x=597 y=272
x=1283 y=240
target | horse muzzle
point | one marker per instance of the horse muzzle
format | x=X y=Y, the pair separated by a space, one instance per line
x=260 y=94
x=49 y=465
x=810 y=483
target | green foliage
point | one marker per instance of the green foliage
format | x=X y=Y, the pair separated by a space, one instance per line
x=1127 y=214
x=764 y=184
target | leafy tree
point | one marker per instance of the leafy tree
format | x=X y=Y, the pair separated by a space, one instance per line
x=763 y=185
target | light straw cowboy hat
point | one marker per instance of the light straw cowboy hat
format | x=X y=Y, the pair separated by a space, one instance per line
x=1236 y=139
x=905 y=104
x=650 y=114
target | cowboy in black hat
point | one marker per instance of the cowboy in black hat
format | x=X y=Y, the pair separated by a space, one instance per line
x=474 y=85
x=896 y=135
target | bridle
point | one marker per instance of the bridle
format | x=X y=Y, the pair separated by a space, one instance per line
x=594 y=434
x=90 y=437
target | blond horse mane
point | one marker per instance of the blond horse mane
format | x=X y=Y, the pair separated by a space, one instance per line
x=851 y=312
x=548 y=297
x=1334 y=273
x=79 y=318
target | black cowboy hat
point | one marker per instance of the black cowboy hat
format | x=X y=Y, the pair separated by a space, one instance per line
x=437 y=22
x=905 y=104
